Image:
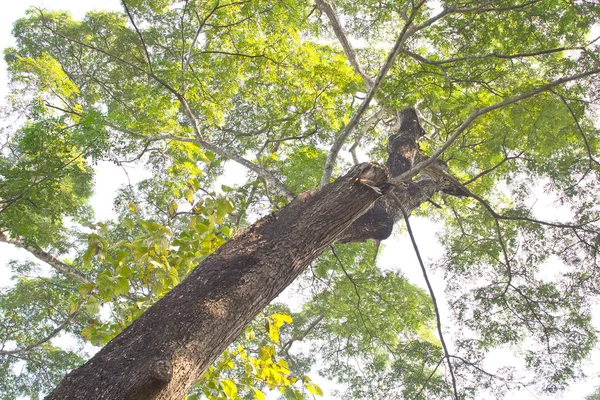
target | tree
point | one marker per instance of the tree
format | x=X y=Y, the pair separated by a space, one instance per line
x=593 y=396
x=506 y=92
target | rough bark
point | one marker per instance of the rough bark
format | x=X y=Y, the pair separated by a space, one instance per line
x=162 y=353
x=403 y=152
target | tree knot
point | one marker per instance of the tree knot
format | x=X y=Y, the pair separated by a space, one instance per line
x=161 y=370
x=371 y=174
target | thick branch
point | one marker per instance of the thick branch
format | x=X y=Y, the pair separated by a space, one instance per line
x=46 y=257
x=403 y=151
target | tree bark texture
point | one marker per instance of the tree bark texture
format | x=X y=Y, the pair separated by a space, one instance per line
x=162 y=353
x=403 y=152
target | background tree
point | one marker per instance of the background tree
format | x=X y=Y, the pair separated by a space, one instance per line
x=506 y=91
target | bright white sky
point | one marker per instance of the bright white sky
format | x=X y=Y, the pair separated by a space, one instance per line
x=398 y=252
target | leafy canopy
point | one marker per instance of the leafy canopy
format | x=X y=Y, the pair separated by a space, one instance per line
x=184 y=88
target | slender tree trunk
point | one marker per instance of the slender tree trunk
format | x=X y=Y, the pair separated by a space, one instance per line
x=162 y=353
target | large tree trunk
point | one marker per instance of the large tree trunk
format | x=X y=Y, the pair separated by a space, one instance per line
x=162 y=354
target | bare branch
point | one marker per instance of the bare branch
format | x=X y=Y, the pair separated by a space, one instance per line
x=494 y=214
x=46 y=257
x=324 y=6
x=431 y=293
x=140 y=35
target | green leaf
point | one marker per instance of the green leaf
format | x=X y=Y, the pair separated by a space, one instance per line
x=173 y=206
x=92 y=306
x=258 y=395
x=313 y=388
x=229 y=387
x=122 y=287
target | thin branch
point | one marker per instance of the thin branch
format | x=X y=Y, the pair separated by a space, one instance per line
x=287 y=345
x=188 y=56
x=475 y=10
x=424 y=385
x=339 y=142
x=583 y=135
x=358 y=299
x=477 y=113
x=492 y=169
x=140 y=36
x=324 y=6
x=372 y=120
x=431 y=293
x=10 y=202
x=55 y=332
x=494 y=214
x=260 y=171
x=424 y=60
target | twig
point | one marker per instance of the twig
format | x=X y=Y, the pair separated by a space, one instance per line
x=431 y=293
x=188 y=56
x=55 y=332
x=140 y=35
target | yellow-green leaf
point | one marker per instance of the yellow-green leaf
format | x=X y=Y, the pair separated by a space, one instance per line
x=229 y=387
